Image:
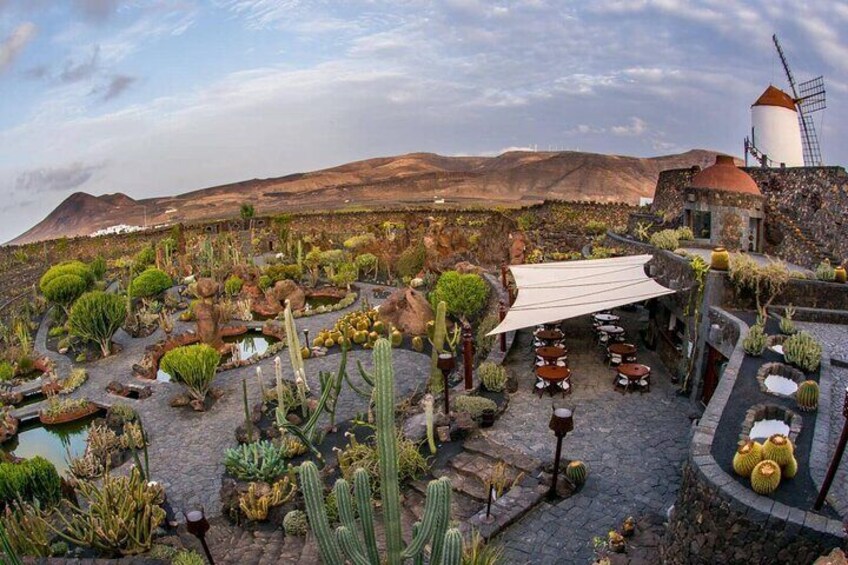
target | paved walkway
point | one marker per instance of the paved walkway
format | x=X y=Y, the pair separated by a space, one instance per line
x=634 y=446
x=187 y=447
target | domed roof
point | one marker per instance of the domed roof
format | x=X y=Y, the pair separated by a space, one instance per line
x=775 y=97
x=725 y=175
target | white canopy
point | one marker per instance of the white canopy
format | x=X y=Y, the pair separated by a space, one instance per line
x=548 y=292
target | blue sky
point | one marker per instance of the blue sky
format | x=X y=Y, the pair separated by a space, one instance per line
x=154 y=97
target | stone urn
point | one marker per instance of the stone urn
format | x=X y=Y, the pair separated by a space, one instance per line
x=719 y=259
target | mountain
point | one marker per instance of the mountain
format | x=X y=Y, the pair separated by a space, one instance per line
x=416 y=178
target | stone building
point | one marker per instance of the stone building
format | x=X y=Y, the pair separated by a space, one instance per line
x=724 y=206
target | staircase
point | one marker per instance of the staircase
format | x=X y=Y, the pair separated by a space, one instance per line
x=467 y=471
x=232 y=545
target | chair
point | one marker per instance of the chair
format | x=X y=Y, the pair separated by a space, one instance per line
x=613 y=359
x=645 y=382
x=603 y=339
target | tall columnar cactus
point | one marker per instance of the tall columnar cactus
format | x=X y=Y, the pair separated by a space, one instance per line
x=293 y=344
x=440 y=338
x=362 y=549
x=428 y=417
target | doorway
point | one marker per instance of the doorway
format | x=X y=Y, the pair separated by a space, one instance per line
x=716 y=362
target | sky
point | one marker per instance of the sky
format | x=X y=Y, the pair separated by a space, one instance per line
x=158 y=97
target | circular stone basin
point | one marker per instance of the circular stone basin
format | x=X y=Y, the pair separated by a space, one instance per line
x=52 y=443
x=763 y=429
x=780 y=385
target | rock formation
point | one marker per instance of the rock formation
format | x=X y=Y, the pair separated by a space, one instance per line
x=407 y=310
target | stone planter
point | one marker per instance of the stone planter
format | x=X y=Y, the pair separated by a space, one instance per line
x=719 y=259
x=79 y=414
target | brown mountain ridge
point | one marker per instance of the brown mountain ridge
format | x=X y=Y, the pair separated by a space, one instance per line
x=412 y=179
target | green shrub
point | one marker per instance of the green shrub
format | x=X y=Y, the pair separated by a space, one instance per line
x=825 y=271
x=193 y=366
x=755 y=342
x=464 y=295
x=473 y=405
x=143 y=259
x=96 y=316
x=76 y=268
x=150 y=283
x=346 y=274
x=332 y=257
x=358 y=242
x=803 y=351
x=281 y=272
x=665 y=239
x=595 y=227
x=98 y=267
x=363 y=455
x=233 y=285
x=411 y=261
x=57 y=331
x=264 y=282
x=65 y=282
x=526 y=221
x=367 y=263
x=7 y=371
x=187 y=557
x=684 y=233
x=493 y=376
x=31 y=480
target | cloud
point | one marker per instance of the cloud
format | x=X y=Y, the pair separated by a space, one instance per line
x=635 y=128
x=97 y=10
x=75 y=72
x=37 y=72
x=55 y=179
x=117 y=85
x=14 y=44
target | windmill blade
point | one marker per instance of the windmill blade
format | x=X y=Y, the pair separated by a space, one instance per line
x=785 y=63
x=809 y=140
x=812 y=95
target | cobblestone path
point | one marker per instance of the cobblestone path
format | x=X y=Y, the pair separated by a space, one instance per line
x=633 y=444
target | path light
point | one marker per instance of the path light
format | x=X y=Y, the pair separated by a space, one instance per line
x=446 y=364
x=468 y=356
x=306 y=336
x=197 y=525
x=837 y=456
x=562 y=422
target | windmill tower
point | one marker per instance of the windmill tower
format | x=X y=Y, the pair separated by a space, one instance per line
x=782 y=129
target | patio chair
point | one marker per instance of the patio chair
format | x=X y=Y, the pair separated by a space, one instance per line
x=613 y=359
x=644 y=383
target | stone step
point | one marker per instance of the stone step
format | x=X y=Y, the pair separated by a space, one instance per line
x=465 y=484
x=479 y=466
x=498 y=452
x=462 y=507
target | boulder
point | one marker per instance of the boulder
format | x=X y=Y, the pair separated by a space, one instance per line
x=207 y=288
x=415 y=427
x=466 y=268
x=517 y=248
x=407 y=310
x=289 y=290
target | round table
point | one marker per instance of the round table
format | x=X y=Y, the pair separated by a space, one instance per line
x=622 y=349
x=550 y=353
x=549 y=335
x=633 y=371
x=606 y=318
x=553 y=375
x=611 y=330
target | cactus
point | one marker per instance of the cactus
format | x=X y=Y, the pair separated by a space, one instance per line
x=418 y=343
x=428 y=416
x=803 y=351
x=778 y=448
x=248 y=420
x=790 y=469
x=295 y=523
x=362 y=549
x=807 y=395
x=440 y=336
x=576 y=472
x=453 y=548
x=295 y=355
x=765 y=477
x=258 y=461
x=259 y=497
x=755 y=342
x=787 y=326
x=748 y=454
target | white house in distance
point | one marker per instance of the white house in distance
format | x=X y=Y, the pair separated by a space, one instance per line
x=775 y=131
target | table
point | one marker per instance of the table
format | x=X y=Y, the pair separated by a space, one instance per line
x=553 y=376
x=622 y=349
x=633 y=372
x=550 y=353
x=606 y=318
x=611 y=329
x=549 y=335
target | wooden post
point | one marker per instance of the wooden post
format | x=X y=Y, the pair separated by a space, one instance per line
x=837 y=457
x=468 y=356
x=502 y=315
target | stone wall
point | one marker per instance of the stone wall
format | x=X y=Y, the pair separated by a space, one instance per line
x=668 y=196
x=718 y=520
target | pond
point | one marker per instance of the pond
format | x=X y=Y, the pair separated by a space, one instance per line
x=53 y=442
x=764 y=429
x=249 y=344
x=780 y=385
x=313 y=302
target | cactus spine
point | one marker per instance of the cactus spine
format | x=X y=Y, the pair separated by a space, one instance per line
x=747 y=455
x=807 y=395
x=433 y=528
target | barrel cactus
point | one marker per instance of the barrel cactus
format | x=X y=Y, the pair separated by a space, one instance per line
x=778 y=448
x=295 y=523
x=418 y=343
x=765 y=478
x=576 y=472
x=807 y=395
x=790 y=469
x=748 y=454
x=803 y=351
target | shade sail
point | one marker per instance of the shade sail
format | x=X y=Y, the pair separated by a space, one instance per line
x=548 y=292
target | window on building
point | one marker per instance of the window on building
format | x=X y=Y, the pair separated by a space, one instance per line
x=701 y=224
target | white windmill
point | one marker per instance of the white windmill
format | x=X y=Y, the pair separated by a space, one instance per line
x=782 y=128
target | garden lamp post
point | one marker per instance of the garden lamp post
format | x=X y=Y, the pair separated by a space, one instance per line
x=446 y=364
x=468 y=356
x=562 y=422
x=306 y=336
x=502 y=315
x=197 y=525
x=837 y=456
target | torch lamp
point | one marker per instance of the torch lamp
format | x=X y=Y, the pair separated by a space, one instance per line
x=837 y=456
x=446 y=364
x=197 y=525
x=562 y=422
